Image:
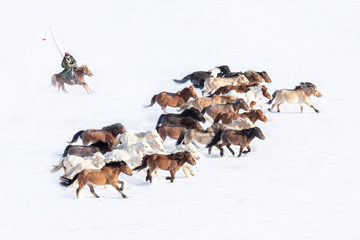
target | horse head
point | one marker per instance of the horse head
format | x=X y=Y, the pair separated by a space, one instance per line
x=265 y=76
x=258 y=133
x=194 y=113
x=241 y=104
x=189 y=158
x=85 y=69
x=265 y=92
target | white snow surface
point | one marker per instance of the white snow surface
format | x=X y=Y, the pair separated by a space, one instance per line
x=301 y=182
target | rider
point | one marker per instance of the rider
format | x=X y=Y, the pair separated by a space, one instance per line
x=69 y=65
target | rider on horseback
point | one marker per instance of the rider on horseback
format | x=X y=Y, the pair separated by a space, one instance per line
x=69 y=65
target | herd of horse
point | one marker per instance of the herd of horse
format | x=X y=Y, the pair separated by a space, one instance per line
x=113 y=149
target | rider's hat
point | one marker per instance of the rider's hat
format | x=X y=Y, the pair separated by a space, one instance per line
x=66 y=54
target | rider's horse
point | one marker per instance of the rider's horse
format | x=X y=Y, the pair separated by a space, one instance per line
x=80 y=72
x=300 y=95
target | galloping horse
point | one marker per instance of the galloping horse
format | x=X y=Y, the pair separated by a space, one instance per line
x=173 y=118
x=87 y=151
x=171 y=162
x=214 y=109
x=240 y=88
x=212 y=84
x=173 y=131
x=300 y=95
x=58 y=81
x=107 y=175
x=178 y=99
x=254 y=94
x=198 y=78
x=253 y=115
x=236 y=137
x=202 y=102
x=106 y=134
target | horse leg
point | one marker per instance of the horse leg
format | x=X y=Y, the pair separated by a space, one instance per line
x=232 y=151
x=92 y=190
x=122 y=184
x=184 y=167
x=148 y=176
x=85 y=86
x=114 y=184
x=220 y=148
x=81 y=186
x=240 y=151
x=248 y=149
x=278 y=105
x=172 y=176
x=209 y=151
x=309 y=104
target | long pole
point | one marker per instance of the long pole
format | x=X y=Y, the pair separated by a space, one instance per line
x=55 y=42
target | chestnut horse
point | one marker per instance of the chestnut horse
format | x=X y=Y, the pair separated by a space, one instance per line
x=107 y=175
x=173 y=131
x=173 y=118
x=88 y=151
x=253 y=115
x=178 y=99
x=171 y=162
x=80 y=72
x=242 y=138
x=106 y=134
x=202 y=102
x=214 y=109
x=300 y=95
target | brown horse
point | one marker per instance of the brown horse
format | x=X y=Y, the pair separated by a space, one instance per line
x=178 y=99
x=171 y=162
x=253 y=115
x=80 y=72
x=265 y=76
x=242 y=138
x=174 y=131
x=88 y=151
x=240 y=88
x=175 y=119
x=214 y=109
x=202 y=102
x=107 y=175
x=106 y=134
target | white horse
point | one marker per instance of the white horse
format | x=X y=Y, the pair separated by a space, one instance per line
x=71 y=161
x=240 y=124
x=254 y=94
x=212 y=84
x=214 y=72
x=132 y=155
x=88 y=165
x=155 y=144
x=300 y=95
x=136 y=137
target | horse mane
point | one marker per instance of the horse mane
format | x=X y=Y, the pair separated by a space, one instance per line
x=249 y=73
x=305 y=85
x=115 y=163
x=114 y=126
x=99 y=144
x=178 y=155
x=191 y=112
x=84 y=66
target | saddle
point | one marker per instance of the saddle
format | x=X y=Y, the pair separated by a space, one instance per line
x=71 y=76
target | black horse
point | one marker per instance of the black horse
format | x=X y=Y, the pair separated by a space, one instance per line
x=198 y=78
x=175 y=119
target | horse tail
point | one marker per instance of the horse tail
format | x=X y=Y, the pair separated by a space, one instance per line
x=65 y=182
x=181 y=138
x=273 y=97
x=143 y=163
x=215 y=139
x=218 y=117
x=186 y=105
x=77 y=135
x=159 y=120
x=153 y=99
x=66 y=151
x=57 y=168
x=184 y=80
x=53 y=81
